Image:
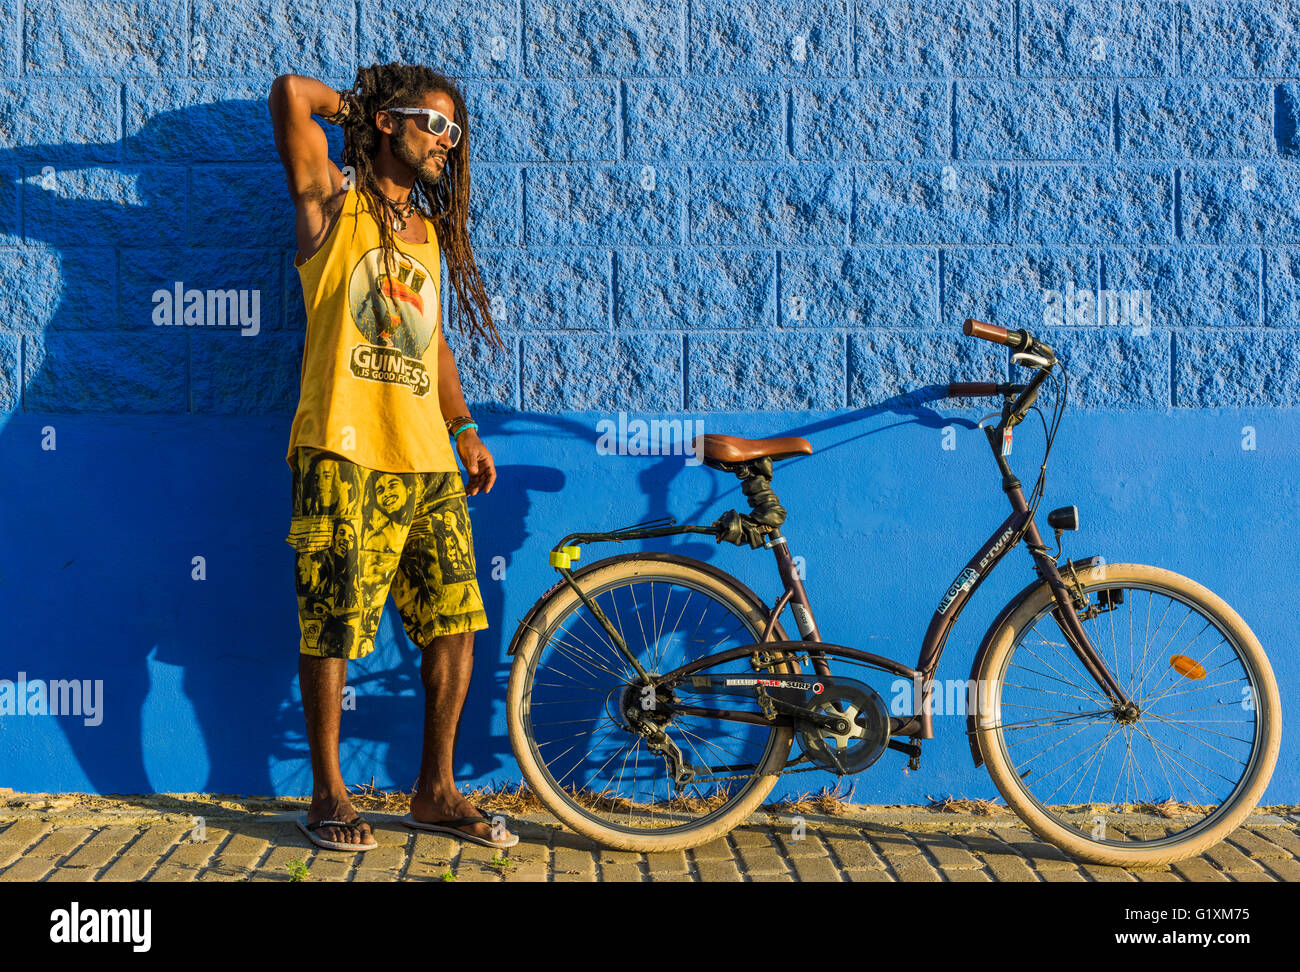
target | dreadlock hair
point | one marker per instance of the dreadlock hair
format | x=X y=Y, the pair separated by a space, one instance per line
x=446 y=203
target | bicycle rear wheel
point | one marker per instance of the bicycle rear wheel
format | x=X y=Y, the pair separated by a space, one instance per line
x=1148 y=785
x=570 y=688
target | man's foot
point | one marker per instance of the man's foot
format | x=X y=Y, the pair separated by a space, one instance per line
x=338 y=807
x=435 y=808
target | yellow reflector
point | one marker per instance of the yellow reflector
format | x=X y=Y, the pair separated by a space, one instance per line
x=1187 y=667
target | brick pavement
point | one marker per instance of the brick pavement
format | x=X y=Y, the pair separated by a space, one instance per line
x=202 y=838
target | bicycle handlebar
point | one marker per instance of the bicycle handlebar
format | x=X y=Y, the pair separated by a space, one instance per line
x=1016 y=340
x=973 y=389
x=986 y=332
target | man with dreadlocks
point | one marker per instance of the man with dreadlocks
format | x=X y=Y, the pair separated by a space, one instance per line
x=381 y=404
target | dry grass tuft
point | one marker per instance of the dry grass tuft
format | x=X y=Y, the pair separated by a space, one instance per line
x=829 y=801
x=979 y=808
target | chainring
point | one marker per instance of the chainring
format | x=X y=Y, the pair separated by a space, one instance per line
x=868 y=734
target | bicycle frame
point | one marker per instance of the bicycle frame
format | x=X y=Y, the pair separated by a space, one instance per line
x=1019 y=524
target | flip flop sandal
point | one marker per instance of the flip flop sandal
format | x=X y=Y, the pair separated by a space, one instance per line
x=355 y=824
x=448 y=828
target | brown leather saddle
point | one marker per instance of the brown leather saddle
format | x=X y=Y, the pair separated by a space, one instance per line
x=732 y=449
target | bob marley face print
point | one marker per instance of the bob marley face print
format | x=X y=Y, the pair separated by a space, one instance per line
x=396 y=313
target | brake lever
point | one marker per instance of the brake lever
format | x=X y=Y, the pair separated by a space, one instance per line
x=1028 y=359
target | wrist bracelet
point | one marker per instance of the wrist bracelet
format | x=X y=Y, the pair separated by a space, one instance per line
x=466 y=426
x=344 y=112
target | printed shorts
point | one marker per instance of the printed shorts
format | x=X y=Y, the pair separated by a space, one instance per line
x=360 y=533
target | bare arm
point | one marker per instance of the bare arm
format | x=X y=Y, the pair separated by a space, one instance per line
x=315 y=182
x=473 y=453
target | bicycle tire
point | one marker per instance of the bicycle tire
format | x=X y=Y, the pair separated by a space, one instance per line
x=1217 y=824
x=549 y=615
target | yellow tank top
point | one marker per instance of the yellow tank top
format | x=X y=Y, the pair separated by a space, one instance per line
x=370 y=361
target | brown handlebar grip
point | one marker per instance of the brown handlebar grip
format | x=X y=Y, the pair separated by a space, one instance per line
x=972 y=389
x=988 y=332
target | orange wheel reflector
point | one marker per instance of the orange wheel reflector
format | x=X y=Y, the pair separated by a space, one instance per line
x=1187 y=667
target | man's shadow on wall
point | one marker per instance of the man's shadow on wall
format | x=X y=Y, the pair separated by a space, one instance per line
x=107 y=538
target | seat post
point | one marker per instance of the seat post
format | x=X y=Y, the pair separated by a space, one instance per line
x=756 y=484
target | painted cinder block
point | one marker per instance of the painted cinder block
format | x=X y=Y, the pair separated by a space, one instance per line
x=11 y=386
x=489 y=376
x=915 y=368
x=783 y=372
x=692 y=289
x=103 y=206
x=704 y=120
x=934 y=38
x=10 y=39
x=932 y=203
x=1241 y=203
x=559 y=290
x=796 y=38
x=563 y=373
x=1095 y=38
x=250 y=197
x=869 y=120
x=1190 y=286
x=1286 y=119
x=48 y=288
x=757 y=204
x=1112 y=367
x=1177 y=120
x=1033 y=120
x=603 y=205
x=602 y=38
x=1013 y=286
x=892 y=287
x=1241 y=39
x=245 y=38
x=494 y=205
x=1096 y=204
x=234 y=375
x=1237 y=368
x=103 y=372
x=1282 y=287
x=10 y=224
x=202 y=121
x=543 y=121
x=88 y=39
x=65 y=122
x=461 y=38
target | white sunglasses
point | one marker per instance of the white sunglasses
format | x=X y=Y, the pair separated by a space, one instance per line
x=435 y=122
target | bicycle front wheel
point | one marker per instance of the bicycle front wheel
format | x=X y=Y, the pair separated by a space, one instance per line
x=570 y=690
x=1161 y=780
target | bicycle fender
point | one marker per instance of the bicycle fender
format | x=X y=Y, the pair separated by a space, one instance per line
x=778 y=632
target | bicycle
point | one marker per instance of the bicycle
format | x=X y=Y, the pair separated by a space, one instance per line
x=623 y=671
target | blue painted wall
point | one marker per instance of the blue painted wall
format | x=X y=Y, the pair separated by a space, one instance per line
x=769 y=218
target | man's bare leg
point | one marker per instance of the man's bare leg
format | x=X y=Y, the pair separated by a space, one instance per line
x=322 y=681
x=445 y=670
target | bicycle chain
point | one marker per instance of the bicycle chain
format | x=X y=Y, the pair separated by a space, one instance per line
x=762 y=660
